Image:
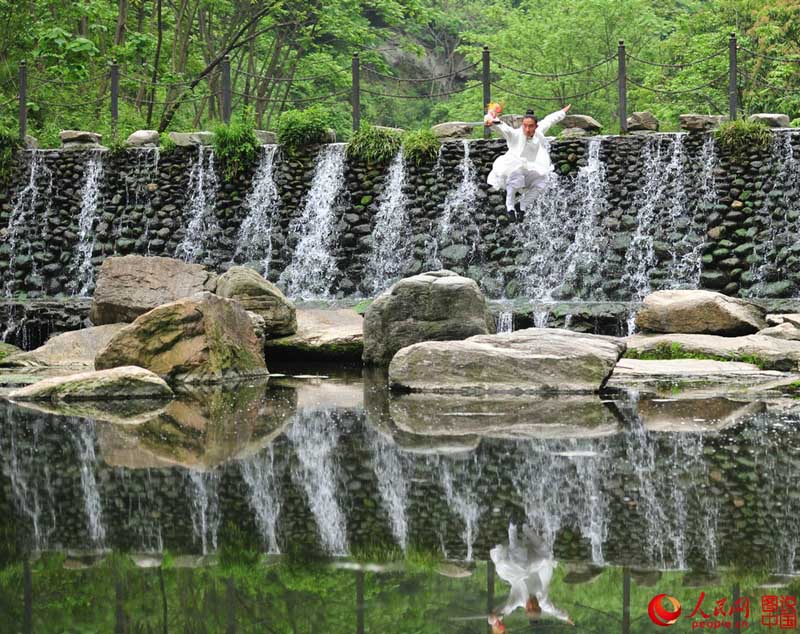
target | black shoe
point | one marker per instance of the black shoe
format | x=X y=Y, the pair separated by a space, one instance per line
x=512 y=213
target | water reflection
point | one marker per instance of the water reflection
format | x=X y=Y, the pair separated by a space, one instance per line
x=338 y=467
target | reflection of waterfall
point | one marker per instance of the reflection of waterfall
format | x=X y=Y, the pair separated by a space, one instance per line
x=315 y=438
x=459 y=479
x=313 y=267
x=31 y=482
x=202 y=188
x=390 y=470
x=561 y=235
x=84 y=441
x=456 y=225
x=143 y=517
x=205 y=508
x=83 y=271
x=262 y=205
x=37 y=191
x=392 y=248
x=259 y=474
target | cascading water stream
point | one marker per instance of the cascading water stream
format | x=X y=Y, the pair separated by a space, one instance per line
x=37 y=191
x=83 y=271
x=313 y=268
x=259 y=472
x=263 y=207
x=315 y=438
x=456 y=225
x=138 y=194
x=392 y=248
x=459 y=480
x=201 y=205
x=205 y=507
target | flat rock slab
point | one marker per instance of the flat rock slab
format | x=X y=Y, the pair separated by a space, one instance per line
x=322 y=334
x=117 y=383
x=776 y=354
x=636 y=372
x=504 y=416
x=536 y=360
x=131 y=285
x=699 y=312
x=77 y=348
x=787 y=330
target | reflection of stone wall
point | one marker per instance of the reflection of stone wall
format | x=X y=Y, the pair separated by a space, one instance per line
x=744 y=500
x=749 y=234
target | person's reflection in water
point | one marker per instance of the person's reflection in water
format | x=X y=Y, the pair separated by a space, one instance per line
x=527 y=564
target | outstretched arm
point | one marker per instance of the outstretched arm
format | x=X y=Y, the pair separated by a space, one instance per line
x=553 y=118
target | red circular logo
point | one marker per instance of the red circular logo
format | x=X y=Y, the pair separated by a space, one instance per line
x=661 y=615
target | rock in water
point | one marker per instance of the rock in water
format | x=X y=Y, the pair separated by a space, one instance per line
x=131 y=285
x=332 y=335
x=435 y=306
x=536 y=360
x=122 y=382
x=260 y=296
x=198 y=339
x=699 y=312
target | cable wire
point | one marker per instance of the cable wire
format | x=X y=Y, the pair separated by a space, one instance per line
x=557 y=99
x=679 y=92
x=423 y=79
x=789 y=60
x=290 y=99
x=290 y=79
x=436 y=96
x=556 y=75
x=682 y=65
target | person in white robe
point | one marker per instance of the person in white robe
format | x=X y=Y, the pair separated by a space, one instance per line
x=526 y=165
x=527 y=565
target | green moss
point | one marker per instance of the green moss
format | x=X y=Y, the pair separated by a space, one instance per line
x=9 y=144
x=666 y=351
x=300 y=128
x=362 y=306
x=374 y=145
x=420 y=146
x=235 y=146
x=167 y=146
x=737 y=137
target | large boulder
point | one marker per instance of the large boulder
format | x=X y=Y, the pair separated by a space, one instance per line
x=644 y=120
x=770 y=352
x=699 y=312
x=435 y=306
x=198 y=339
x=143 y=138
x=582 y=121
x=322 y=334
x=117 y=383
x=79 y=139
x=192 y=139
x=786 y=330
x=130 y=285
x=453 y=130
x=770 y=119
x=536 y=360
x=74 y=348
x=701 y=122
x=260 y=296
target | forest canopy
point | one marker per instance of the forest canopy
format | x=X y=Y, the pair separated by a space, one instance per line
x=292 y=55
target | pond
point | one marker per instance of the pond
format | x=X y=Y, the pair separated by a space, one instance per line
x=326 y=504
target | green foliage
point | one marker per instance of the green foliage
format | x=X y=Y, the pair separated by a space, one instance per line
x=300 y=128
x=736 y=137
x=117 y=147
x=674 y=350
x=235 y=147
x=795 y=123
x=9 y=144
x=167 y=146
x=374 y=145
x=362 y=306
x=421 y=146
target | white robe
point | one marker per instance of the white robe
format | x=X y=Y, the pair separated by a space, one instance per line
x=529 y=156
x=528 y=566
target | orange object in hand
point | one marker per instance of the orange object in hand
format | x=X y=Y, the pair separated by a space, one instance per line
x=493 y=111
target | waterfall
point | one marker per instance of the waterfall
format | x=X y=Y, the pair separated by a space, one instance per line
x=138 y=194
x=655 y=194
x=562 y=236
x=315 y=438
x=202 y=188
x=313 y=267
x=505 y=322
x=205 y=507
x=259 y=474
x=263 y=206
x=393 y=484
x=392 y=247
x=37 y=191
x=459 y=480
x=83 y=271
x=84 y=441
x=456 y=225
